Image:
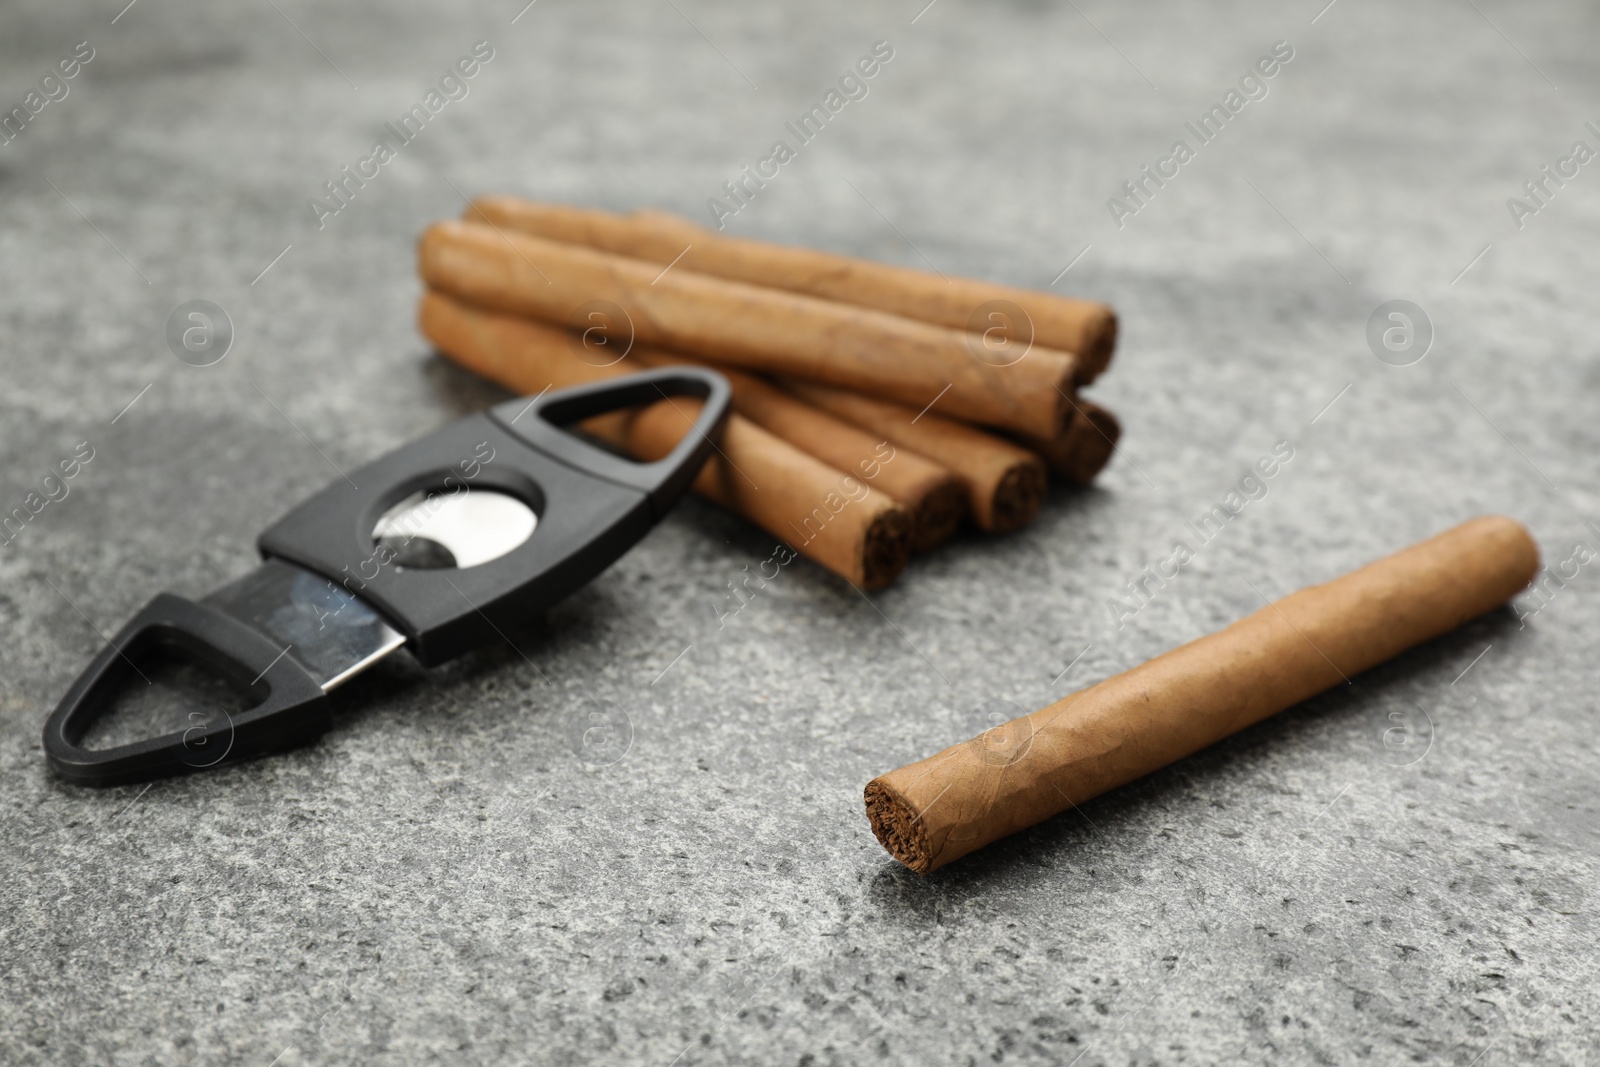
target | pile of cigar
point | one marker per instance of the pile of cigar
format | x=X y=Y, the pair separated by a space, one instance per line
x=875 y=408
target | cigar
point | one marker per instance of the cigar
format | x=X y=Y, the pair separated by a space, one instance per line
x=935 y=498
x=525 y=357
x=1084 y=447
x=831 y=517
x=1024 y=771
x=750 y=326
x=826 y=515
x=1005 y=482
x=1084 y=327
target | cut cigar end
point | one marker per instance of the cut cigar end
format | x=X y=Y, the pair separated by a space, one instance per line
x=1093 y=447
x=898 y=827
x=886 y=547
x=1017 y=497
x=937 y=516
x=1098 y=348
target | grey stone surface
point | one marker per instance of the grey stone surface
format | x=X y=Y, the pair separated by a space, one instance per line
x=443 y=879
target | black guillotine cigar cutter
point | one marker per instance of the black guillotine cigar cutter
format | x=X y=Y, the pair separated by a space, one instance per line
x=438 y=546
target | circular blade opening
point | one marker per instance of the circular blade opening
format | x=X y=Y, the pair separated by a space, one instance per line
x=431 y=531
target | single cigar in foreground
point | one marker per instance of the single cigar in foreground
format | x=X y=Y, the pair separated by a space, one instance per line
x=1005 y=482
x=935 y=497
x=1084 y=327
x=828 y=516
x=1084 y=447
x=750 y=326
x=1022 y=772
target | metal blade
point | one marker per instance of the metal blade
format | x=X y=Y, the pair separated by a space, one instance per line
x=334 y=634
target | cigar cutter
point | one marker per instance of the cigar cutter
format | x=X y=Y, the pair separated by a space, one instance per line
x=440 y=546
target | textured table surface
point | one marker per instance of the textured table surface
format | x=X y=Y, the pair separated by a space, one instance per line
x=1402 y=870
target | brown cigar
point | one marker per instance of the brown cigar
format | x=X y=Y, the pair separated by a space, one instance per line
x=1022 y=772
x=1083 y=327
x=749 y=325
x=1084 y=447
x=933 y=495
x=525 y=357
x=1005 y=482
x=829 y=517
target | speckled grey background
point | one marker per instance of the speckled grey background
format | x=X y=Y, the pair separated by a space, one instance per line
x=1399 y=871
